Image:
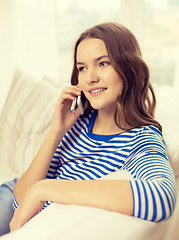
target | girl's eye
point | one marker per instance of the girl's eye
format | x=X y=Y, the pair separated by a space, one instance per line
x=104 y=64
x=80 y=69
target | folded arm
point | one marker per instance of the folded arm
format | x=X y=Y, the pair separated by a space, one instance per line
x=112 y=195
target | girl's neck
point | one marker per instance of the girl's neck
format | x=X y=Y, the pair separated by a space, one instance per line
x=105 y=124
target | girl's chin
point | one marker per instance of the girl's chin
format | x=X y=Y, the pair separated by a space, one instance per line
x=96 y=106
x=100 y=107
x=103 y=107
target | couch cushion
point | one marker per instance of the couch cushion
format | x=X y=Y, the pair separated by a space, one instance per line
x=167 y=113
x=25 y=119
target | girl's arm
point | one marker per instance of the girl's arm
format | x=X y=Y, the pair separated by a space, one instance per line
x=39 y=166
x=113 y=195
x=63 y=119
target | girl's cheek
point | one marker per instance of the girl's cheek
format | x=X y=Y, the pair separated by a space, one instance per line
x=80 y=84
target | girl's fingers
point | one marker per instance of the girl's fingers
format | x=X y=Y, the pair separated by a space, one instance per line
x=73 y=90
x=70 y=93
x=68 y=97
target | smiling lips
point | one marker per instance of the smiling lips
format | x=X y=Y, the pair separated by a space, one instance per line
x=96 y=91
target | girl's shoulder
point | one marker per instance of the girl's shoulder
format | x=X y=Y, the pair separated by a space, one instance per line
x=143 y=131
x=87 y=120
x=150 y=131
x=149 y=135
x=83 y=123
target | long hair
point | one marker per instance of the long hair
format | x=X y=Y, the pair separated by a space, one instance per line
x=136 y=104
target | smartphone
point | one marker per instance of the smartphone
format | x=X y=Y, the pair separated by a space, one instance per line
x=79 y=104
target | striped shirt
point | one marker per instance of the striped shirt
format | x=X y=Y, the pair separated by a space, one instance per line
x=82 y=155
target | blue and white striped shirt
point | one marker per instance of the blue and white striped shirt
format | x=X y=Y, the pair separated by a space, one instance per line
x=83 y=155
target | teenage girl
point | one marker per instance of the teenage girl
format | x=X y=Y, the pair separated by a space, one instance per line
x=116 y=133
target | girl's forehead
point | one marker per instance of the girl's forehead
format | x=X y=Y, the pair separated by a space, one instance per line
x=91 y=48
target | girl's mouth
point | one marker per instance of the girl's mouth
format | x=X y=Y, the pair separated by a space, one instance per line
x=97 y=91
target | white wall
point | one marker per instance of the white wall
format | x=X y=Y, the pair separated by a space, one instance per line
x=176 y=81
x=28 y=40
x=5 y=48
x=132 y=16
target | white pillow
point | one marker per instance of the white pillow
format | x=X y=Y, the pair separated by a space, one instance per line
x=167 y=113
x=25 y=119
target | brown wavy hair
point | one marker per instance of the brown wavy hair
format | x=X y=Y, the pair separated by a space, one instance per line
x=136 y=104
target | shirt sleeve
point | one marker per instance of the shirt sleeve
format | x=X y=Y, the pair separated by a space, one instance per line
x=52 y=171
x=154 y=186
x=14 y=203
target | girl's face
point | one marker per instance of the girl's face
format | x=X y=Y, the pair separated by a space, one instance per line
x=97 y=78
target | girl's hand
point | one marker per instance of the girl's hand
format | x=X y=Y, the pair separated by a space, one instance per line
x=63 y=118
x=28 y=209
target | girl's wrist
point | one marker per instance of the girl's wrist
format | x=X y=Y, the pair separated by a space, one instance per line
x=54 y=135
x=41 y=190
x=58 y=133
x=48 y=190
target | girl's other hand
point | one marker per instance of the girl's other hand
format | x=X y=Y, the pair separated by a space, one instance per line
x=30 y=206
x=63 y=118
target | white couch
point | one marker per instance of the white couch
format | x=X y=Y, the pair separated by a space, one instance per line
x=24 y=121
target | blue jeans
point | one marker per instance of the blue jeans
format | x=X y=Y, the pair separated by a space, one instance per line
x=6 y=211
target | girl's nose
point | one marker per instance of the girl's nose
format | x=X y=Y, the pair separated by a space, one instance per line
x=92 y=77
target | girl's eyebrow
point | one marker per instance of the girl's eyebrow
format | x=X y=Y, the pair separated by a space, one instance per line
x=95 y=60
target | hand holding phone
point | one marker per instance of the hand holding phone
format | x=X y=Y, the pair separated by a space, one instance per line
x=79 y=104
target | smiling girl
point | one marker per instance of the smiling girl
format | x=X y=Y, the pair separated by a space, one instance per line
x=117 y=133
